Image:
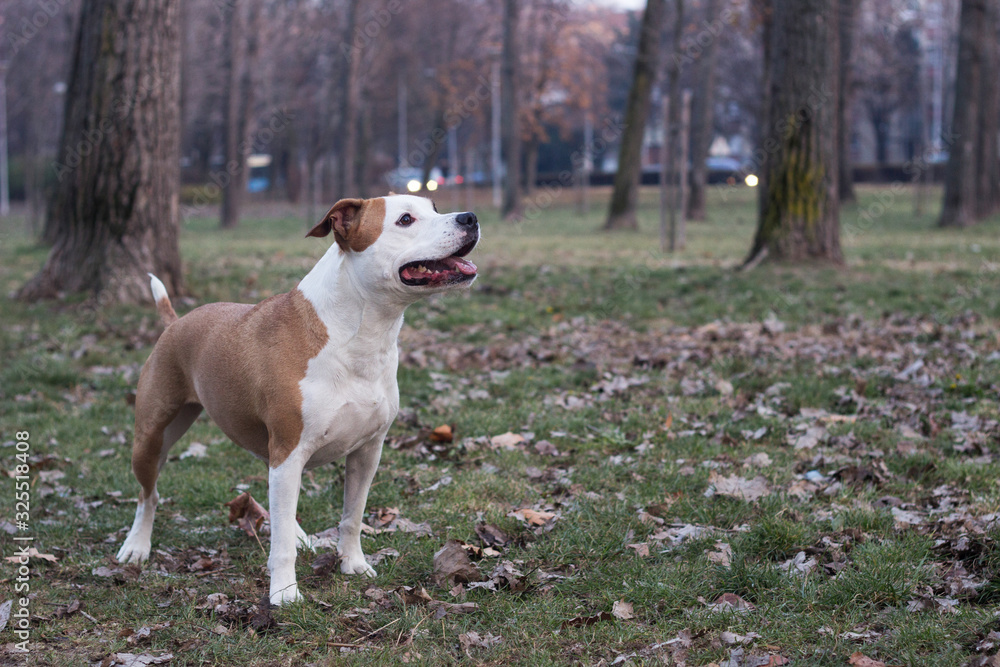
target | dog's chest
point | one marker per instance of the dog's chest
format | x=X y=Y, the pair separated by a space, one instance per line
x=347 y=402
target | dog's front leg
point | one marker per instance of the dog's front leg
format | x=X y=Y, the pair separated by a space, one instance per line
x=283 y=484
x=361 y=466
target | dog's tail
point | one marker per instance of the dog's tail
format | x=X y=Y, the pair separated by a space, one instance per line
x=163 y=306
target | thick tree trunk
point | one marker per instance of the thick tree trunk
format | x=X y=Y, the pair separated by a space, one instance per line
x=799 y=201
x=624 y=198
x=510 y=117
x=703 y=115
x=971 y=174
x=115 y=212
x=848 y=18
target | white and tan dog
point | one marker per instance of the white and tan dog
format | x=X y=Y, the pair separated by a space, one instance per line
x=302 y=378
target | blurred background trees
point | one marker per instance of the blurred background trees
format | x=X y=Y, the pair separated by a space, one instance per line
x=307 y=101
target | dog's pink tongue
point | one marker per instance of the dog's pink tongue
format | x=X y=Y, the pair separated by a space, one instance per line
x=410 y=274
x=461 y=264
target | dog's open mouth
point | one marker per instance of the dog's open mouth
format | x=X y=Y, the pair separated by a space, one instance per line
x=436 y=272
x=445 y=271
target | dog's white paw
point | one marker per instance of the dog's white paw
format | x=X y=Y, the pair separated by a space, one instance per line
x=285 y=595
x=356 y=565
x=134 y=550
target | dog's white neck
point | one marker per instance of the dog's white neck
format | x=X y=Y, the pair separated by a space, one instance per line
x=357 y=321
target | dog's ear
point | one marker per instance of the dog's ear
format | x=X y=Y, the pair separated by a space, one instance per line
x=339 y=220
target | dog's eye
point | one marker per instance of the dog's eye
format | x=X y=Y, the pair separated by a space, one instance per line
x=405 y=220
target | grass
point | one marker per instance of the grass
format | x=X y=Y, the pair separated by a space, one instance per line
x=654 y=376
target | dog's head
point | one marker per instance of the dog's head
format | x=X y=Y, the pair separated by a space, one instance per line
x=400 y=244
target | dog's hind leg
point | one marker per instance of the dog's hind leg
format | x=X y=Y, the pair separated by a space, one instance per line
x=152 y=444
x=360 y=470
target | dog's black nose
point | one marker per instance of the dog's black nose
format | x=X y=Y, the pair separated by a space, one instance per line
x=467 y=219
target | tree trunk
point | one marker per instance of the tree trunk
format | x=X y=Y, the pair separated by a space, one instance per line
x=238 y=100
x=703 y=115
x=624 y=198
x=671 y=161
x=510 y=118
x=880 y=127
x=848 y=18
x=531 y=166
x=364 y=150
x=970 y=189
x=987 y=154
x=115 y=210
x=799 y=201
x=436 y=138
x=347 y=134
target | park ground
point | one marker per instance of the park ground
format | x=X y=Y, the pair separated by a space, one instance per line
x=648 y=459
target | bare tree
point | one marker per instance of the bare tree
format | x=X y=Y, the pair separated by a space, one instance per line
x=509 y=110
x=115 y=212
x=621 y=214
x=239 y=50
x=799 y=214
x=971 y=177
x=845 y=29
x=703 y=116
x=350 y=99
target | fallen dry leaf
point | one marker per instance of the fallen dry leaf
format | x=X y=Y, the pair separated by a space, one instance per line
x=738 y=487
x=5 y=613
x=622 y=610
x=195 y=450
x=443 y=433
x=533 y=517
x=730 y=602
x=380 y=555
x=727 y=637
x=247 y=513
x=136 y=660
x=69 y=609
x=641 y=549
x=504 y=575
x=413 y=595
x=452 y=565
x=859 y=659
x=546 y=448
x=474 y=640
x=491 y=536
x=32 y=553
x=326 y=564
x=583 y=621
x=722 y=555
x=507 y=440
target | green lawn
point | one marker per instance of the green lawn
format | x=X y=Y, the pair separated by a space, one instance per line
x=793 y=462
